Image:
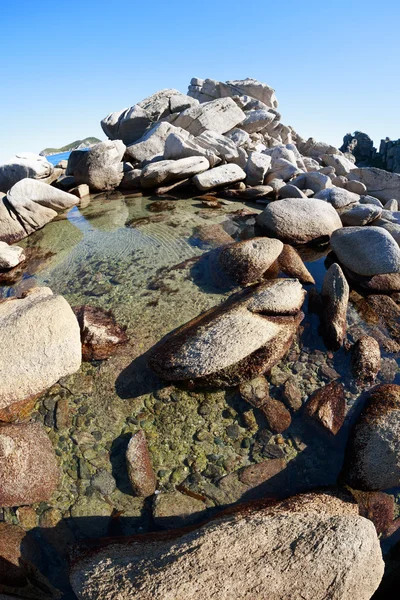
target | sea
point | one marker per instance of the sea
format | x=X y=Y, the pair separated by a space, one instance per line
x=55 y=158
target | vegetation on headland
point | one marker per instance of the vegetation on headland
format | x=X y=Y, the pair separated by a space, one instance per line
x=89 y=141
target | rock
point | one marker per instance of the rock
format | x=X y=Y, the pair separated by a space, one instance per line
x=372 y=460
x=208 y=89
x=340 y=163
x=256 y=120
x=256 y=168
x=219 y=115
x=381 y=184
x=299 y=220
x=291 y=264
x=255 y=391
x=104 y=482
x=328 y=406
x=239 y=137
x=151 y=145
x=179 y=102
x=101 y=167
x=10 y=256
x=11 y=229
x=366 y=250
x=28 y=468
x=246 y=262
x=127 y=125
x=335 y=298
x=361 y=214
x=379 y=508
x=314 y=181
x=275 y=553
x=219 y=176
x=356 y=187
x=386 y=283
x=80 y=191
x=219 y=144
x=291 y=394
x=211 y=236
x=22 y=166
x=277 y=415
x=314 y=149
x=40 y=338
x=340 y=181
x=100 y=334
x=167 y=171
x=27 y=193
x=19 y=574
x=392 y=205
x=140 y=470
x=282 y=169
x=174 y=510
x=338 y=197
x=235 y=341
x=366 y=358
x=131 y=180
x=259 y=474
x=371 y=200
x=179 y=146
x=158 y=105
x=291 y=191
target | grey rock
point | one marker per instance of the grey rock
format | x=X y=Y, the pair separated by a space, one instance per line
x=381 y=184
x=367 y=199
x=361 y=214
x=174 y=509
x=219 y=176
x=256 y=120
x=392 y=205
x=158 y=105
x=291 y=191
x=338 y=197
x=312 y=180
x=239 y=137
x=101 y=167
x=127 y=125
x=104 y=482
x=335 y=298
x=167 y=171
x=219 y=144
x=340 y=163
x=179 y=146
x=220 y=115
x=151 y=145
x=246 y=262
x=180 y=102
x=256 y=168
x=356 y=187
x=24 y=165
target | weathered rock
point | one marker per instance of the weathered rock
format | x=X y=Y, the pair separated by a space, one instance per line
x=10 y=256
x=233 y=342
x=167 y=171
x=381 y=184
x=256 y=168
x=174 y=509
x=340 y=163
x=221 y=145
x=366 y=358
x=257 y=120
x=291 y=191
x=277 y=415
x=371 y=200
x=372 y=460
x=211 y=236
x=131 y=180
x=314 y=181
x=259 y=474
x=28 y=192
x=379 y=508
x=28 y=468
x=219 y=115
x=103 y=482
x=151 y=145
x=299 y=220
x=291 y=264
x=338 y=197
x=361 y=214
x=24 y=165
x=179 y=102
x=40 y=338
x=127 y=125
x=80 y=191
x=335 y=298
x=219 y=176
x=101 y=167
x=392 y=205
x=100 y=334
x=328 y=406
x=246 y=262
x=356 y=187
x=276 y=553
x=255 y=391
x=179 y=146
x=314 y=149
x=291 y=394
x=158 y=105
x=140 y=470
x=366 y=250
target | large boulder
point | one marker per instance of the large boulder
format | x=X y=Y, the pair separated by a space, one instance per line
x=219 y=176
x=151 y=146
x=312 y=180
x=158 y=105
x=313 y=548
x=24 y=165
x=257 y=120
x=219 y=115
x=299 y=220
x=235 y=341
x=338 y=197
x=101 y=167
x=256 y=168
x=167 y=171
x=28 y=468
x=220 y=144
x=41 y=343
x=246 y=262
x=372 y=460
x=366 y=250
x=361 y=214
x=380 y=184
x=179 y=146
x=10 y=256
x=340 y=163
x=127 y=125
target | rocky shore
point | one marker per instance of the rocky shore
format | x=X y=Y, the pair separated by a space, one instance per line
x=245 y=448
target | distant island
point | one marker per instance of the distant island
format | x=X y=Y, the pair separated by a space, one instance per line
x=77 y=145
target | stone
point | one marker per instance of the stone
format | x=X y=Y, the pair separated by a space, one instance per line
x=366 y=359
x=219 y=176
x=27 y=193
x=338 y=197
x=371 y=200
x=158 y=105
x=239 y=137
x=219 y=115
x=100 y=334
x=23 y=165
x=282 y=169
x=372 y=459
x=291 y=191
x=173 y=509
x=10 y=256
x=151 y=145
x=179 y=102
x=340 y=181
x=366 y=250
x=327 y=406
x=103 y=482
x=179 y=146
x=127 y=125
x=340 y=163
x=314 y=181
x=140 y=470
x=255 y=391
x=380 y=184
x=258 y=474
x=167 y=171
x=299 y=220
x=256 y=120
x=28 y=468
x=335 y=299
x=392 y=205
x=361 y=214
x=277 y=415
x=221 y=145
x=40 y=338
x=131 y=180
x=100 y=167
x=291 y=394
x=314 y=149
x=356 y=187
x=246 y=262
x=291 y=264
x=80 y=191
x=250 y=87
x=282 y=551
x=256 y=168
x=234 y=341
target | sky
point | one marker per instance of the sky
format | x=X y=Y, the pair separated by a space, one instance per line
x=64 y=66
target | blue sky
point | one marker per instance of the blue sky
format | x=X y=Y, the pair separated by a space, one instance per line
x=335 y=66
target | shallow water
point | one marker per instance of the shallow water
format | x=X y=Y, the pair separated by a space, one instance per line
x=129 y=255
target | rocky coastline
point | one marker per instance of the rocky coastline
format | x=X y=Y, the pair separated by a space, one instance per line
x=246 y=448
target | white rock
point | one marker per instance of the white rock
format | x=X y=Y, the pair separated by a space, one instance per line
x=219 y=115
x=338 y=197
x=157 y=105
x=183 y=146
x=10 y=256
x=25 y=164
x=380 y=184
x=223 y=175
x=166 y=171
x=339 y=162
x=256 y=168
x=256 y=120
x=355 y=186
x=312 y=180
x=220 y=144
x=152 y=144
x=127 y=125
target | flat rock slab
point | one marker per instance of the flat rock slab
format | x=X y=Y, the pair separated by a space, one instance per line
x=219 y=176
x=166 y=171
x=219 y=115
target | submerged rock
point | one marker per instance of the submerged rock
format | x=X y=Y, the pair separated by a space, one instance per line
x=28 y=468
x=372 y=460
x=235 y=341
x=246 y=262
x=140 y=470
x=366 y=358
x=174 y=509
x=100 y=334
x=41 y=343
x=328 y=406
x=284 y=551
x=335 y=298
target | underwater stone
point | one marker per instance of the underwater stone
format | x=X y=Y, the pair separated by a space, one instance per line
x=140 y=469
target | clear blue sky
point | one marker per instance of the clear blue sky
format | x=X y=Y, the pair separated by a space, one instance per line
x=335 y=66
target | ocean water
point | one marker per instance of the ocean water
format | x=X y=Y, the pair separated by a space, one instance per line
x=55 y=158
